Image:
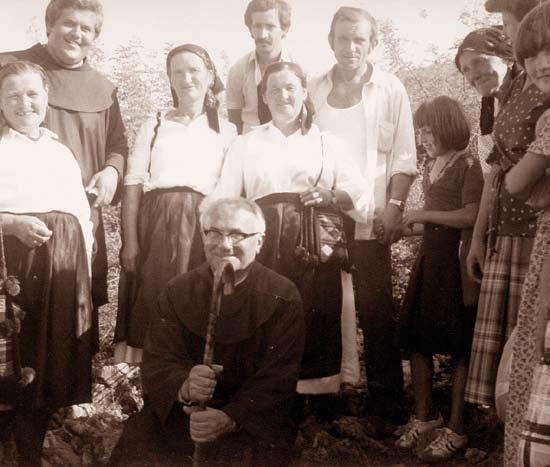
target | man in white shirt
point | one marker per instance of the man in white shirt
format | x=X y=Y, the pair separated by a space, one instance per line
x=268 y=22
x=370 y=109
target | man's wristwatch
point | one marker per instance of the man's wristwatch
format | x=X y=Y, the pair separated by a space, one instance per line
x=397 y=202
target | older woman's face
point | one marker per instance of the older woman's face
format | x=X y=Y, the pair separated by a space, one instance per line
x=189 y=77
x=284 y=95
x=484 y=72
x=23 y=102
x=71 y=36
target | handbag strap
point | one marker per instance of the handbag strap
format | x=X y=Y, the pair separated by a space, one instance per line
x=322 y=162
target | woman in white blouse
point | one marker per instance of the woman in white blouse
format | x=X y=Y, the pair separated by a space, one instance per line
x=47 y=235
x=176 y=161
x=294 y=171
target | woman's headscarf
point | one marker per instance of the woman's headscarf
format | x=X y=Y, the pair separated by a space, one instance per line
x=486 y=41
x=211 y=102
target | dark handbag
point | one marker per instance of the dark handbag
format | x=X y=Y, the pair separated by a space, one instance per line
x=322 y=236
x=331 y=236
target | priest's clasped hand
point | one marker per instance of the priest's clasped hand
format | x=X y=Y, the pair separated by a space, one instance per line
x=200 y=384
x=209 y=424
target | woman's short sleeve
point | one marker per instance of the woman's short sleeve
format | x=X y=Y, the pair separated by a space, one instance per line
x=541 y=144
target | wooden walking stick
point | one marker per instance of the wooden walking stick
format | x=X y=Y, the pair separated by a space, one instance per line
x=223 y=284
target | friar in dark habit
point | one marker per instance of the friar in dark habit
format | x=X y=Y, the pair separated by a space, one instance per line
x=259 y=343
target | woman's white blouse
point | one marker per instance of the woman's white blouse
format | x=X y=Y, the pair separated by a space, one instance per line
x=183 y=155
x=264 y=161
x=38 y=176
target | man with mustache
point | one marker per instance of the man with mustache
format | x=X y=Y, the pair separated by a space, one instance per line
x=268 y=22
x=370 y=109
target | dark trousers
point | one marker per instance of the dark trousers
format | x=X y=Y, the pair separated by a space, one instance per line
x=378 y=319
x=29 y=429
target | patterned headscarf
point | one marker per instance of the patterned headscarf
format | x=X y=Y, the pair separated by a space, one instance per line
x=486 y=41
x=211 y=102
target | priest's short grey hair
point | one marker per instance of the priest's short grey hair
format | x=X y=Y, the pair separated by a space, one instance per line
x=209 y=207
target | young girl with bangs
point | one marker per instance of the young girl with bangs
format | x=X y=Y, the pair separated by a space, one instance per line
x=439 y=307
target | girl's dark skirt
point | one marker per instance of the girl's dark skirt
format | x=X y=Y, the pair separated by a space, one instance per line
x=57 y=339
x=434 y=318
x=170 y=244
x=320 y=287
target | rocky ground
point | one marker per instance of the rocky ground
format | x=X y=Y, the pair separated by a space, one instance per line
x=346 y=436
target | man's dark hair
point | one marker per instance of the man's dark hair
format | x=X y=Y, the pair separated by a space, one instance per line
x=264 y=5
x=55 y=7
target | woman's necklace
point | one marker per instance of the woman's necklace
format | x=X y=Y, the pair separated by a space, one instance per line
x=439 y=166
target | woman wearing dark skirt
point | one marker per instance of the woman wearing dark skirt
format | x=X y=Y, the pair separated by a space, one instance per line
x=175 y=162
x=291 y=170
x=436 y=316
x=45 y=219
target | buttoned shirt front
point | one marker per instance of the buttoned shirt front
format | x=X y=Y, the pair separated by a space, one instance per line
x=390 y=142
x=242 y=87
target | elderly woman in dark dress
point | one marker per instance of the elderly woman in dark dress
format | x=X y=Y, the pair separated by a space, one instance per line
x=292 y=170
x=176 y=161
x=48 y=239
x=504 y=229
x=436 y=318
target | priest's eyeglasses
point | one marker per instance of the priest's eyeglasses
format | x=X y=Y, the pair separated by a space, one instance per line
x=215 y=236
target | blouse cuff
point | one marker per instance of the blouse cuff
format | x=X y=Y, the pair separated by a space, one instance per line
x=135 y=179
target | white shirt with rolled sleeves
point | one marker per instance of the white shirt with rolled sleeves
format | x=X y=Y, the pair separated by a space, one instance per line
x=242 y=87
x=183 y=155
x=390 y=141
x=41 y=176
x=264 y=161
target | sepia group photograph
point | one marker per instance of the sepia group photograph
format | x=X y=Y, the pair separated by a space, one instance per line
x=275 y=233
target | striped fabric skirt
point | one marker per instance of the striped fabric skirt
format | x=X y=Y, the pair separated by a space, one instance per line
x=170 y=244
x=327 y=297
x=534 y=441
x=503 y=276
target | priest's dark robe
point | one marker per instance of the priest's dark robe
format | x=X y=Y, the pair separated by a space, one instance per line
x=259 y=342
x=85 y=114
